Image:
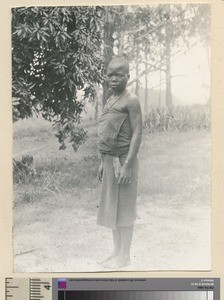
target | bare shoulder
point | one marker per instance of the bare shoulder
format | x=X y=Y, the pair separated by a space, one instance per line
x=132 y=97
x=132 y=102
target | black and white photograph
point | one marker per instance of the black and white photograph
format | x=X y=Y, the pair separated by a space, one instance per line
x=111 y=111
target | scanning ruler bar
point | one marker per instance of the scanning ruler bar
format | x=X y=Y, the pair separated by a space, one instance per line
x=28 y=288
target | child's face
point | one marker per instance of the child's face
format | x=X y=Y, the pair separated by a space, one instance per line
x=117 y=76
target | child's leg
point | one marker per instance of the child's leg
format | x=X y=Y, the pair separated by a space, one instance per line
x=126 y=239
x=123 y=257
x=117 y=244
x=117 y=240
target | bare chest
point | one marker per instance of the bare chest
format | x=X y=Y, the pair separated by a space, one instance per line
x=119 y=104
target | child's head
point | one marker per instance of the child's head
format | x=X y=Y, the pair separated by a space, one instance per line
x=118 y=74
x=120 y=62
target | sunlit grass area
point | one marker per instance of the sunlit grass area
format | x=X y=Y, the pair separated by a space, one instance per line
x=59 y=203
x=171 y=163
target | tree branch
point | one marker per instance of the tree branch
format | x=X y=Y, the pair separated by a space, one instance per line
x=148 y=64
x=162 y=24
x=141 y=74
x=150 y=70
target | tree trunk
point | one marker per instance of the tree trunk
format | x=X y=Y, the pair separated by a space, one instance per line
x=96 y=109
x=122 y=32
x=160 y=78
x=160 y=88
x=108 y=46
x=96 y=103
x=168 y=37
x=208 y=58
x=146 y=88
x=136 y=69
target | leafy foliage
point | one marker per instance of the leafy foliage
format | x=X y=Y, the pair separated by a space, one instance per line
x=77 y=135
x=55 y=53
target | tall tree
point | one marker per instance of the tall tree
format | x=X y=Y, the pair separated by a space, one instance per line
x=55 y=53
x=146 y=89
x=108 y=43
x=166 y=29
x=113 y=37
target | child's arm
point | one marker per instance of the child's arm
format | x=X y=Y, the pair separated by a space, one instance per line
x=135 y=116
x=100 y=169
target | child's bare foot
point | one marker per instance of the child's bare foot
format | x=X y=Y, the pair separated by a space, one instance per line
x=117 y=262
x=115 y=253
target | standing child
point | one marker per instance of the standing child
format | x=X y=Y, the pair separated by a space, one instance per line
x=119 y=138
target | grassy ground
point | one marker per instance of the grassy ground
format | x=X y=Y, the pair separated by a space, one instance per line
x=55 y=213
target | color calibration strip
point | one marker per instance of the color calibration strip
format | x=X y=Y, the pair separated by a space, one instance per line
x=135 y=295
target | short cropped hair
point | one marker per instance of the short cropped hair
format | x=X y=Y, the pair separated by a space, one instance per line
x=122 y=61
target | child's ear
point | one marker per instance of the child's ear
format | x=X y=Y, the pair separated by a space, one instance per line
x=128 y=76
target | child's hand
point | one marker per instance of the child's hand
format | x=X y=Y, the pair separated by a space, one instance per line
x=117 y=167
x=100 y=172
x=125 y=175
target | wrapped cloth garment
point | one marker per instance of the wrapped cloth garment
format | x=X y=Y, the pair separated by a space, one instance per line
x=117 y=204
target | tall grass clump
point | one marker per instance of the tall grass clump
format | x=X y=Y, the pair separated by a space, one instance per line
x=53 y=173
x=25 y=128
x=180 y=118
